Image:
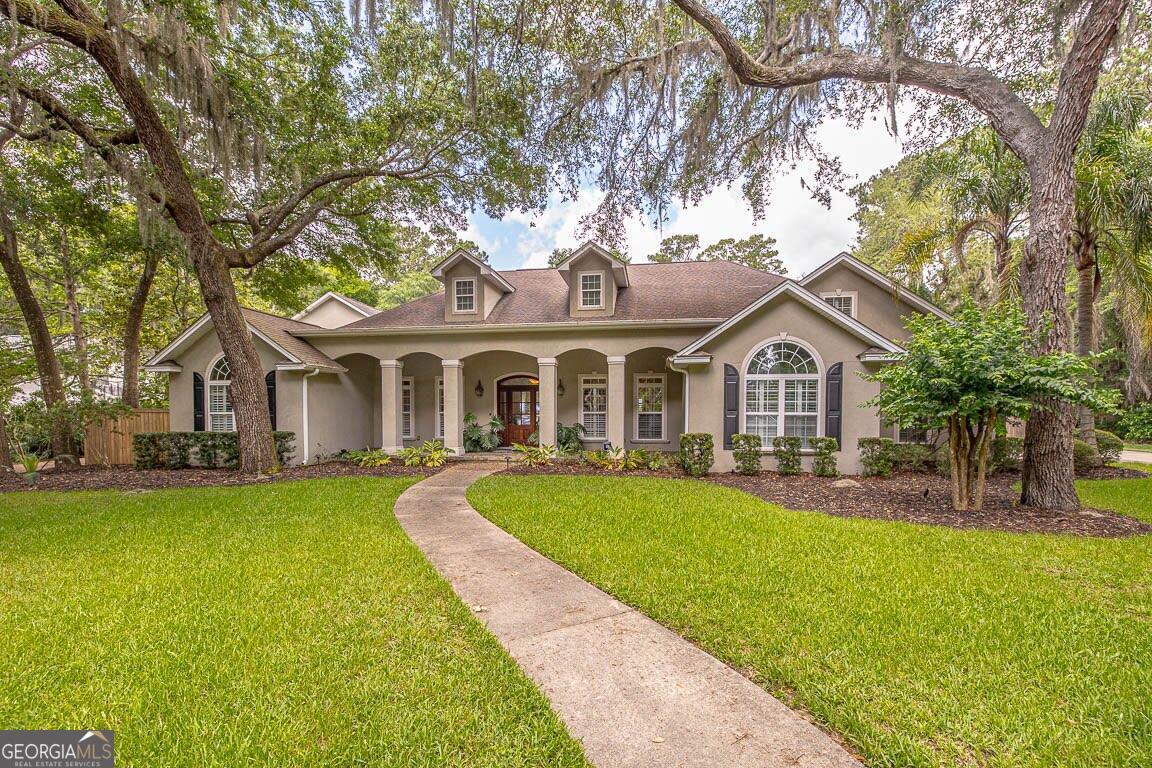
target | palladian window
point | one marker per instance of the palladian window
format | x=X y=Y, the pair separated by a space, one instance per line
x=220 y=416
x=782 y=393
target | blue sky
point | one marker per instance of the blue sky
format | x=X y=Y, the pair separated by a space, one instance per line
x=807 y=233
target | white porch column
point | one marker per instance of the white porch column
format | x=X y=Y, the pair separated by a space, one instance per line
x=617 y=392
x=454 y=406
x=391 y=405
x=547 y=425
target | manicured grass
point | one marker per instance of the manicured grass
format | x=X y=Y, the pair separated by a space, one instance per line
x=923 y=646
x=286 y=624
x=1138 y=446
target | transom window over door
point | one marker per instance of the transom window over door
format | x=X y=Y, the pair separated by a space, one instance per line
x=594 y=406
x=592 y=290
x=220 y=415
x=465 y=295
x=649 y=407
x=782 y=393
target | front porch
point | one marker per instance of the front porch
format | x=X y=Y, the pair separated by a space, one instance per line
x=631 y=400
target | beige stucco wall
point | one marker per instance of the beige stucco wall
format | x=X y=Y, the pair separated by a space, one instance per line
x=343 y=408
x=832 y=345
x=203 y=353
x=876 y=307
x=465 y=269
x=591 y=262
x=333 y=313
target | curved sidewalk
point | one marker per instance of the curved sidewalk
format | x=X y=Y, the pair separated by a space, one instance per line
x=632 y=692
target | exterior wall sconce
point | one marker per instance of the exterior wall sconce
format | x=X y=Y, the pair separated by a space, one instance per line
x=560 y=388
x=479 y=388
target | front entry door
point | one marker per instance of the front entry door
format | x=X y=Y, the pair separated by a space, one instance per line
x=517 y=404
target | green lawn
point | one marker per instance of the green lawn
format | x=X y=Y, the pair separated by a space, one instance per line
x=285 y=624
x=923 y=646
x=1138 y=446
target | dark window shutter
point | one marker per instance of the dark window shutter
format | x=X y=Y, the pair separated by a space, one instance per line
x=834 y=409
x=270 y=385
x=731 y=403
x=197 y=402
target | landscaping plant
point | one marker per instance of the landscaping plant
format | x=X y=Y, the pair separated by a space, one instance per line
x=1136 y=424
x=746 y=450
x=28 y=460
x=1109 y=446
x=1085 y=458
x=535 y=455
x=369 y=457
x=787 y=450
x=1007 y=452
x=480 y=438
x=431 y=454
x=965 y=374
x=570 y=439
x=876 y=456
x=824 y=462
x=696 y=454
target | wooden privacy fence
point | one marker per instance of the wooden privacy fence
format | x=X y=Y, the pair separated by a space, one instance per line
x=111 y=442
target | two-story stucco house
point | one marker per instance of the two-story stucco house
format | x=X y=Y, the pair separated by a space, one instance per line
x=637 y=353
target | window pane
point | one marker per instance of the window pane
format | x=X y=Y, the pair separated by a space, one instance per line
x=595 y=425
x=800 y=426
x=649 y=426
x=782 y=357
x=440 y=408
x=761 y=395
x=800 y=396
x=765 y=426
x=590 y=290
x=465 y=296
x=842 y=303
x=406 y=408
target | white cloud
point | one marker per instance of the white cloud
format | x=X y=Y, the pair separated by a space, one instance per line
x=807 y=233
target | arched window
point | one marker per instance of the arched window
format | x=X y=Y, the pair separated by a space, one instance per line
x=220 y=416
x=782 y=393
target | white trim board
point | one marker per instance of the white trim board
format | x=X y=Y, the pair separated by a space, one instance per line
x=879 y=279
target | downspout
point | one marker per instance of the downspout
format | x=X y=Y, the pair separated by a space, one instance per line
x=304 y=410
x=687 y=390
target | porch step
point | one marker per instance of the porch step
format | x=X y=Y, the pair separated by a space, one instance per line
x=500 y=456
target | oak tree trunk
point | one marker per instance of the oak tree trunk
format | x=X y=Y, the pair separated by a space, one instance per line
x=1047 y=478
x=76 y=316
x=47 y=364
x=133 y=325
x=248 y=390
x=1087 y=289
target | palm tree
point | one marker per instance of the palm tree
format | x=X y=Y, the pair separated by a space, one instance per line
x=1112 y=227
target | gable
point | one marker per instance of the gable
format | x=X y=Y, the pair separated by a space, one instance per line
x=333 y=310
x=820 y=319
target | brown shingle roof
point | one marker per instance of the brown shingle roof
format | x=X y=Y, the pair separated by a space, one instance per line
x=678 y=291
x=279 y=329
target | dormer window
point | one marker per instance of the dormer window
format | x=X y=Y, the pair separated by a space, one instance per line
x=465 y=293
x=591 y=290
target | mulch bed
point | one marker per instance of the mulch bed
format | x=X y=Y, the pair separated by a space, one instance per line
x=925 y=498
x=129 y=479
x=901 y=497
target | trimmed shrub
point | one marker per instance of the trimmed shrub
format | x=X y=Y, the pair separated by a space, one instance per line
x=180 y=450
x=787 y=450
x=746 y=449
x=876 y=456
x=696 y=453
x=535 y=455
x=824 y=462
x=1084 y=457
x=1109 y=445
x=1006 y=454
x=910 y=457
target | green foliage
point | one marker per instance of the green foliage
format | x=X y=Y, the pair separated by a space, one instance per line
x=27 y=459
x=367 y=458
x=1084 y=457
x=876 y=456
x=756 y=251
x=696 y=453
x=1136 y=424
x=747 y=450
x=535 y=455
x=1109 y=445
x=910 y=457
x=1007 y=454
x=431 y=453
x=787 y=452
x=570 y=439
x=481 y=438
x=210 y=450
x=824 y=462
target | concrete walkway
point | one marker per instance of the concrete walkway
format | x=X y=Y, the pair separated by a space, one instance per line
x=632 y=692
x=1136 y=457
